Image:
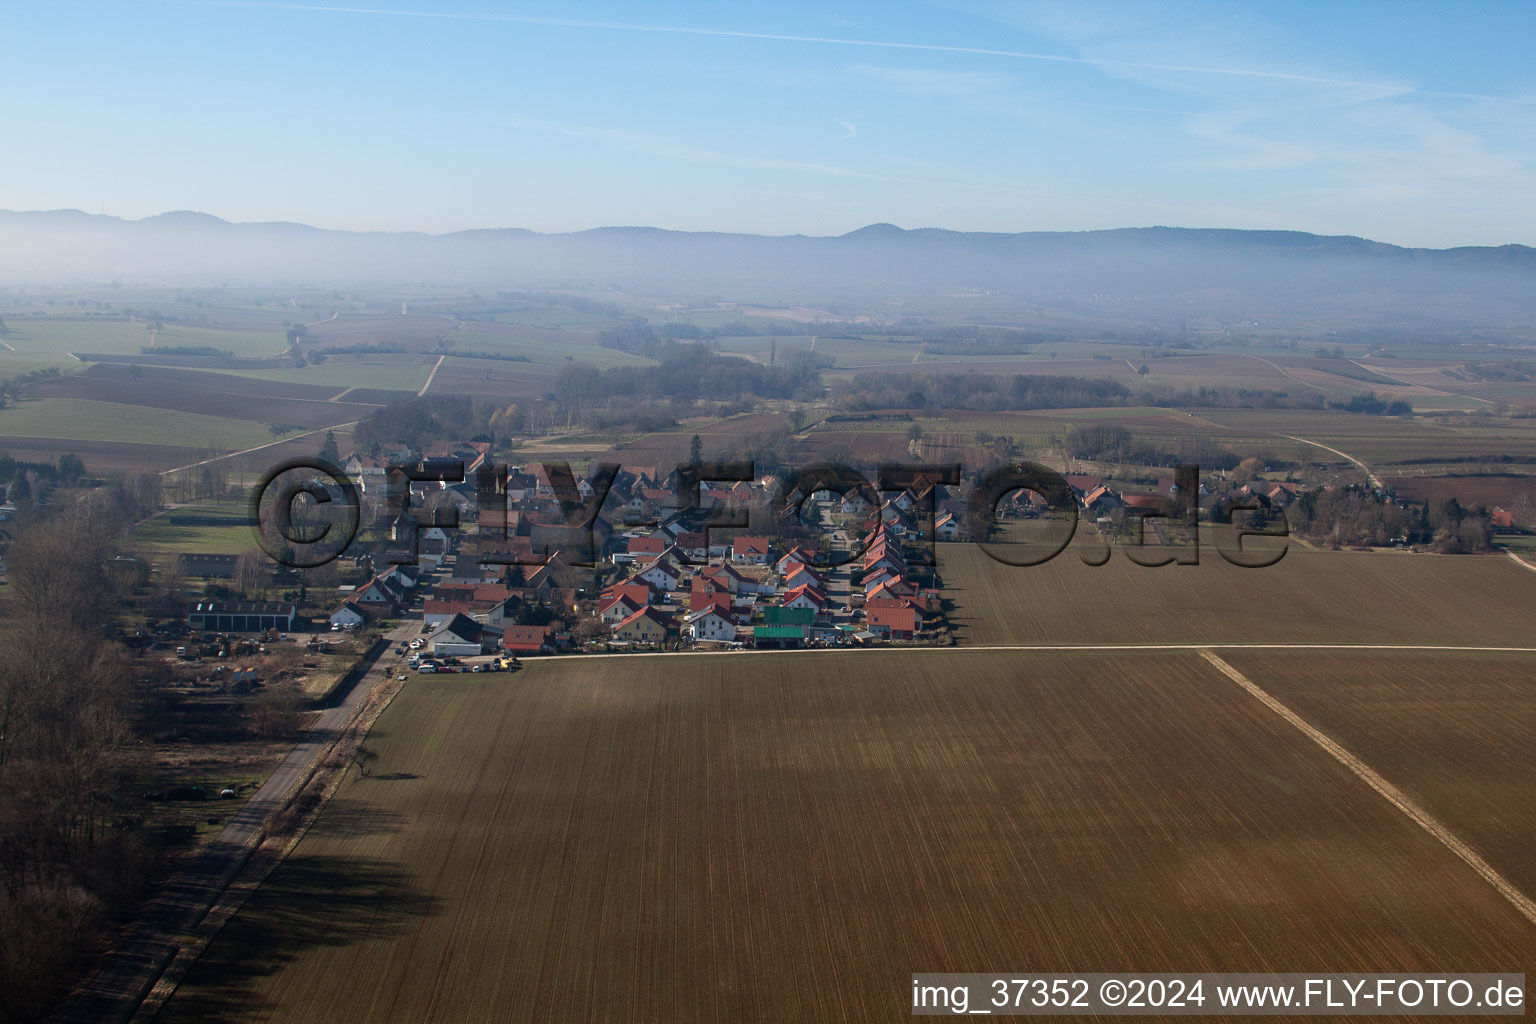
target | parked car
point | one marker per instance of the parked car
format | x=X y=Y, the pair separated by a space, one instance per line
x=426 y=668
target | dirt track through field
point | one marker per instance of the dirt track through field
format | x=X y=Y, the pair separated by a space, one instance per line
x=1396 y=797
x=436 y=366
x=1372 y=477
x=257 y=448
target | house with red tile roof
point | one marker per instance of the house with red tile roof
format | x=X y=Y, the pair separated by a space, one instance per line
x=647 y=625
x=896 y=623
x=750 y=550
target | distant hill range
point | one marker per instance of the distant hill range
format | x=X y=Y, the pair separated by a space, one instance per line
x=1105 y=276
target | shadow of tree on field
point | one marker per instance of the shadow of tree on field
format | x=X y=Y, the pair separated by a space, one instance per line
x=308 y=902
x=348 y=818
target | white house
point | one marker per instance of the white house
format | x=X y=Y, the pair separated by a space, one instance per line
x=709 y=624
x=618 y=609
x=661 y=575
x=749 y=550
x=458 y=636
x=348 y=615
x=804 y=597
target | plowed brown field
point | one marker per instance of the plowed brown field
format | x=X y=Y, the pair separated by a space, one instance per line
x=788 y=837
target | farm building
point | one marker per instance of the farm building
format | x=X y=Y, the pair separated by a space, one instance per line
x=208 y=566
x=784 y=627
x=461 y=635
x=779 y=637
x=241 y=616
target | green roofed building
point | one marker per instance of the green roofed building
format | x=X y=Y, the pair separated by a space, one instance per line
x=789 y=616
x=778 y=636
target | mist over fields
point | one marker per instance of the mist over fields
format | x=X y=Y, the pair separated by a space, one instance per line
x=881 y=268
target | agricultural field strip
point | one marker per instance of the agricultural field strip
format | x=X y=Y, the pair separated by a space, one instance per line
x=438 y=980
x=1290 y=375
x=1088 y=648
x=1396 y=797
x=1433 y=391
x=259 y=447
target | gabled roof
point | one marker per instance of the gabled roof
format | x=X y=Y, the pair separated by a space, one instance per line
x=806 y=591
x=801 y=571
x=243 y=608
x=718 y=599
x=899 y=619
x=647 y=545
x=699 y=614
x=751 y=546
x=665 y=566
x=645 y=613
x=891 y=601
x=608 y=600
x=723 y=569
x=459 y=627
x=525 y=638
x=638 y=590
x=893 y=585
x=798 y=553
x=354 y=608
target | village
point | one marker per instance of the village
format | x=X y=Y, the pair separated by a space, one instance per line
x=489 y=563
x=651 y=572
x=536 y=560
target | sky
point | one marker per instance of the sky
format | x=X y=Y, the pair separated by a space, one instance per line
x=1404 y=122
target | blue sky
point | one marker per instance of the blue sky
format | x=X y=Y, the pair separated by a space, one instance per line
x=1409 y=123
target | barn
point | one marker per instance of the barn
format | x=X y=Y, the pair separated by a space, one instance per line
x=241 y=616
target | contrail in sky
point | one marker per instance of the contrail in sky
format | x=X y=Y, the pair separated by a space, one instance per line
x=688 y=30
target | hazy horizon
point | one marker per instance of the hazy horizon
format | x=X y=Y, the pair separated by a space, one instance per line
x=595 y=227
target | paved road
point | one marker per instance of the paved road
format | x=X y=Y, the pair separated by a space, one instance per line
x=120 y=980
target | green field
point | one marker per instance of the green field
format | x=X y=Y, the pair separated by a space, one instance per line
x=85 y=420
x=543 y=356
x=406 y=373
x=161 y=535
x=127 y=338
